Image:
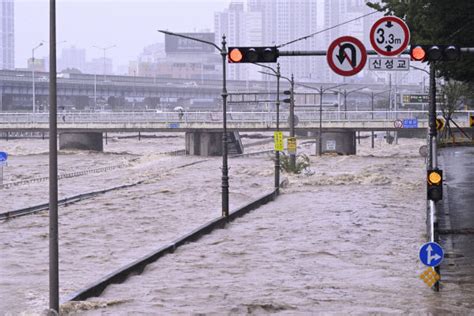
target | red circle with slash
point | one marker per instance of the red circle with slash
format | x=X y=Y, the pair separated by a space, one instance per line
x=346 y=56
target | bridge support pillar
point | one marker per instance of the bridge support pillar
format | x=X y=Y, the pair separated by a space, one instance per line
x=81 y=140
x=342 y=142
x=210 y=143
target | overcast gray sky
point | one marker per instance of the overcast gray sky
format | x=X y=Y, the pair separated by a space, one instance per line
x=129 y=24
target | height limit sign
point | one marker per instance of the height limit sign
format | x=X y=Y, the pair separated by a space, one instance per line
x=389 y=36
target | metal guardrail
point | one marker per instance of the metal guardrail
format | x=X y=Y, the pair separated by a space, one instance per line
x=216 y=116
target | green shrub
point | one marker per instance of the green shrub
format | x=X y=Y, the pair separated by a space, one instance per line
x=302 y=162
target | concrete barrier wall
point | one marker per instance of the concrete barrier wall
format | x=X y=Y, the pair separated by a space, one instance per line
x=139 y=265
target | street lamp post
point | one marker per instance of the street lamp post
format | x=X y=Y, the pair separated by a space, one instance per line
x=292 y=112
x=321 y=90
x=225 y=169
x=33 y=74
x=346 y=93
x=277 y=74
x=105 y=49
x=372 y=97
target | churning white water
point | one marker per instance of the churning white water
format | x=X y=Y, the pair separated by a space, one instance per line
x=343 y=239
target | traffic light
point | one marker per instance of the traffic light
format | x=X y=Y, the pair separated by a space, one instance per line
x=435 y=184
x=253 y=54
x=288 y=100
x=434 y=52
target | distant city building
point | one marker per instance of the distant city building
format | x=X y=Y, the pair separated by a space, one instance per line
x=99 y=67
x=241 y=28
x=183 y=58
x=73 y=58
x=7 y=35
x=39 y=64
x=287 y=20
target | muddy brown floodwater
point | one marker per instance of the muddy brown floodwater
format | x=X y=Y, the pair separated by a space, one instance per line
x=343 y=239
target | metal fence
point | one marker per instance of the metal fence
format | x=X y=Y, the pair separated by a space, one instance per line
x=216 y=116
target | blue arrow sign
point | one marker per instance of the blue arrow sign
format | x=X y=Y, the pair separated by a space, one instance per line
x=3 y=156
x=431 y=254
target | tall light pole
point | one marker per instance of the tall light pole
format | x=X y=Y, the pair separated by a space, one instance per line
x=321 y=91
x=53 y=169
x=345 y=94
x=277 y=74
x=105 y=49
x=225 y=168
x=372 y=97
x=33 y=73
x=292 y=112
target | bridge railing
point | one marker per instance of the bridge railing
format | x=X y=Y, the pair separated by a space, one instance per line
x=262 y=117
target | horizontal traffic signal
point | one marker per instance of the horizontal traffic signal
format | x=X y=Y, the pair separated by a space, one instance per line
x=425 y=53
x=253 y=54
x=435 y=184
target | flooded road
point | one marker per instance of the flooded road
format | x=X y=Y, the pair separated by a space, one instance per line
x=344 y=239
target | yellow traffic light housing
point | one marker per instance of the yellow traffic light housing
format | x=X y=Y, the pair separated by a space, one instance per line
x=435 y=184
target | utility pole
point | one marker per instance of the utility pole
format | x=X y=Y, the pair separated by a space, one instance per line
x=292 y=120
x=33 y=74
x=320 y=142
x=372 y=110
x=53 y=169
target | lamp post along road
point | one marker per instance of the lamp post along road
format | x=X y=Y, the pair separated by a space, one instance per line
x=53 y=169
x=277 y=74
x=321 y=91
x=292 y=119
x=33 y=74
x=105 y=49
x=225 y=169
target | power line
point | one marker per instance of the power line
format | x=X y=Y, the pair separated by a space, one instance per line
x=329 y=28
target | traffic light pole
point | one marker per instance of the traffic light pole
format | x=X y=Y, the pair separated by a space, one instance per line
x=277 y=152
x=432 y=157
x=225 y=168
x=320 y=141
x=292 y=120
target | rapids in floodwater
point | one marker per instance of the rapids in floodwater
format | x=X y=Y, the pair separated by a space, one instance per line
x=343 y=238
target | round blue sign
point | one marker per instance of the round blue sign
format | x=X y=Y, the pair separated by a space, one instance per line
x=431 y=254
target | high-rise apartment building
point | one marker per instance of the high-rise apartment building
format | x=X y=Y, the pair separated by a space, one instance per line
x=73 y=58
x=284 y=21
x=7 y=32
x=241 y=28
x=337 y=12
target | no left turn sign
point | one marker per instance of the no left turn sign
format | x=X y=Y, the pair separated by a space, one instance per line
x=346 y=56
x=389 y=36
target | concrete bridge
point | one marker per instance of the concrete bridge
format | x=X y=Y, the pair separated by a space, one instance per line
x=204 y=129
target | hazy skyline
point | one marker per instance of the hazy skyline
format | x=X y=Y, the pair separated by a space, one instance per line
x=131 y=25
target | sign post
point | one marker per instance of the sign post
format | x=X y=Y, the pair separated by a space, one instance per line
x=346 y=56
x=3 y=162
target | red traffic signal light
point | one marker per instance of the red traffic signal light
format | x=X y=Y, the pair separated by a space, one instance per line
x=418 y=53
x=253 y=54
x=434 y=52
